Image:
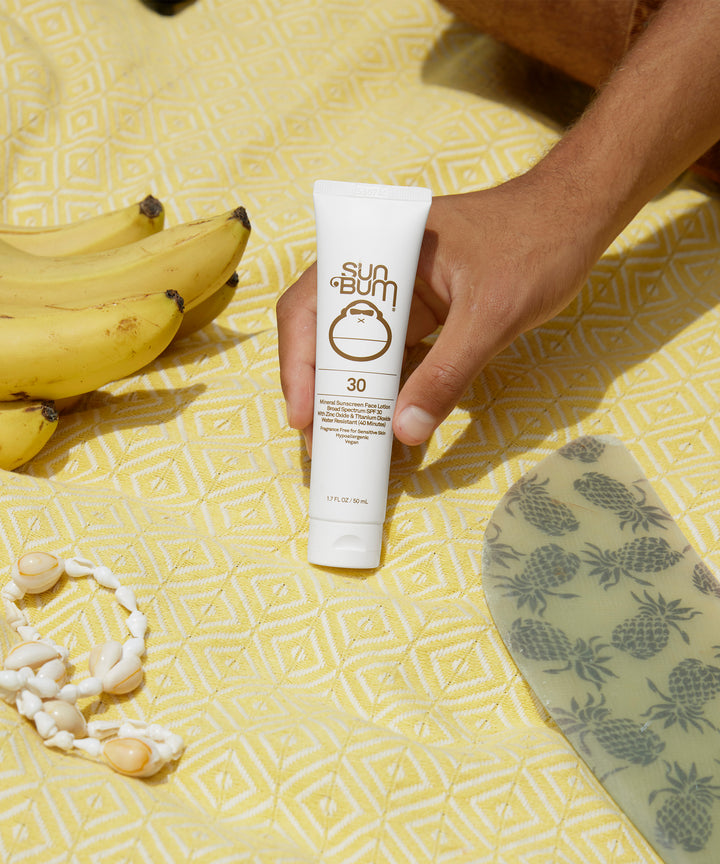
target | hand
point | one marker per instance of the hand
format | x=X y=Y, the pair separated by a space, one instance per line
x=493 y=264
x=297 y=320
x=496 y=263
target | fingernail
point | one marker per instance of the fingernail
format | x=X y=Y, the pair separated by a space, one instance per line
x=415 y=424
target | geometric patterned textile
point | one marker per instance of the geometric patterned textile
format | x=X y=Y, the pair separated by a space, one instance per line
x=330 y=716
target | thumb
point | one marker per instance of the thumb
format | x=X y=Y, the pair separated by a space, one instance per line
x=438 y=383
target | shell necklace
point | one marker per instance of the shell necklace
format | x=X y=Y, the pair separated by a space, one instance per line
x=35 y=674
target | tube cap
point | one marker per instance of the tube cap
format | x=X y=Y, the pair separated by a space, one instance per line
x=354 y=545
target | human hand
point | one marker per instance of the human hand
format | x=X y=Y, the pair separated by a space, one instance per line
x=493 y=264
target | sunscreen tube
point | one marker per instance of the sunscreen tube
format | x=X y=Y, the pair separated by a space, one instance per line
x=368 y=245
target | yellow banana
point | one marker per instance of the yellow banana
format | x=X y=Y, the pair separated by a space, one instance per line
x=193 y=258
x=68 y=403
x=208 y=310
x=25 y=428
x=94 y=234
x=56 y=352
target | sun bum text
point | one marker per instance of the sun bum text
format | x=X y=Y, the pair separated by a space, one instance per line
x=370 y=280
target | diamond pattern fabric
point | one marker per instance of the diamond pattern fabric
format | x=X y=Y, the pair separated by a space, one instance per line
x=329 y=715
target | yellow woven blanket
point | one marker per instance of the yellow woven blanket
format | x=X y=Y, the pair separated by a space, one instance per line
x=329 y=716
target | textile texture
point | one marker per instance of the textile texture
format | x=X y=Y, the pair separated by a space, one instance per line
x=330 y=716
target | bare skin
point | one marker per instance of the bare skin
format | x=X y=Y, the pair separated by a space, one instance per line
x=496 y=263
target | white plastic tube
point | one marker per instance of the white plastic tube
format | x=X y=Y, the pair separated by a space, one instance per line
x=368 y=244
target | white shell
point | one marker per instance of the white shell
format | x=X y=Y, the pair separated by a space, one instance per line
x=66 y=717
x=89 y=746
x=44 y=724
x=54 y=669
x=105 y=577
x=103 y=728
x=69 y=693
x=76 y=567
x=89 y=687
x=134 y=645
x=28 y=633
x=103 y=657
x=170 y=746
x=28 y=704
x=11 y=591
x=45 y=688
x=134 y=757
x=62 y=740
x=10 y=681
x=124 y=676
x=15 y=617
x=126 y=598
x=137 y=624
x=32 y=654
x=35 y=572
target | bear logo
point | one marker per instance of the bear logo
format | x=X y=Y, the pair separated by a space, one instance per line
x=360 y=332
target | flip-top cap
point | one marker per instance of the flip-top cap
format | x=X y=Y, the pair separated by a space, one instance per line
x=355 y=545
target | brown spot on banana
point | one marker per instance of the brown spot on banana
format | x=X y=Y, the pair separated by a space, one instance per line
x=173 y=295
x=240 y=213
x=48 y=411
x=151 y=207
x=127 y=325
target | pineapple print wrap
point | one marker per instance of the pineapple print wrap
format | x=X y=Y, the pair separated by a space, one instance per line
x=614 y=621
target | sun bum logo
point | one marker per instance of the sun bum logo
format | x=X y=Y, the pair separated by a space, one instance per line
x=366 y=280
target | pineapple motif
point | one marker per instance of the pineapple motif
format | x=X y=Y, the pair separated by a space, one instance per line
x=611 y=494
x=684 y=818
x=704 y=580
x=620 y=737
x=538 y=640
x=691 y=685
x=694 y=682
x=648 y=632
x=546 y=568
x=641 y=555
x=541 y=509
x=499 y=553
x=585 y=449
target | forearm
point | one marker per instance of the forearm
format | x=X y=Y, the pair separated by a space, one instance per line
x=658 y=113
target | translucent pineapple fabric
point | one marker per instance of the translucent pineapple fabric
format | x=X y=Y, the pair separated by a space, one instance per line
x=329 y=715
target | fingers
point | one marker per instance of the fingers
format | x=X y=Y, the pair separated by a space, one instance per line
x=438 y=383
x=296 y=313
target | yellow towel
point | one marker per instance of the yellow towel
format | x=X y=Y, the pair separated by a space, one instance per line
x=329 y=716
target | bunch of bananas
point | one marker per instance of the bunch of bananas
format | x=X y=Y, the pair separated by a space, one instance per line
x=90 y=302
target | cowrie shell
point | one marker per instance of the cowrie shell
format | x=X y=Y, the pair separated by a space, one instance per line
x=134 y=757
x=35 y=572
x=103 y=657
x=123 y=677
x=32 y=654
x=55 y=670
x=66 y=717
